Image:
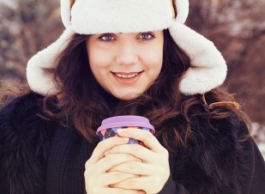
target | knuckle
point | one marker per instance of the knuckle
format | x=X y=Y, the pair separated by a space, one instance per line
x=161 y=170
x=100 y=144
x=132 y=164
x=147 y=135
x=107 y=159
x=110 y=158
x=118 y=175
x=136 y=147
x=86 y=174
x=131 y=182
x=166 y=152
x=90 y=181
x=128 y=157
x=163 y=157
x=117 y=140
x=87 y=165
x=156 y=179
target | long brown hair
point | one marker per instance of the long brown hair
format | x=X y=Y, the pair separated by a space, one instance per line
x=84 y=105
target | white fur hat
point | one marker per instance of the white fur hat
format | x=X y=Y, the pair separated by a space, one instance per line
x=84 y=16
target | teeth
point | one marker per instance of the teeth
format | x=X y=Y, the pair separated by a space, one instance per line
x=125 y=76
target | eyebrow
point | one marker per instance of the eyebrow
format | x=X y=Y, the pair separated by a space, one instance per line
x=121 y=32
x=139 y=32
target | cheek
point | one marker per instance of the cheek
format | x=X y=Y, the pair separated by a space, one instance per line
x=99 y=58
x=153 y=59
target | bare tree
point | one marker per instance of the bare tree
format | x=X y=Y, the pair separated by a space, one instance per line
x=26 y=27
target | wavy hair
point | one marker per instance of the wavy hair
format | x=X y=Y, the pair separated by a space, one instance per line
x=84 y=105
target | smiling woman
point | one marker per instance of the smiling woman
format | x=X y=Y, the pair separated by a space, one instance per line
x=107 y=63
x=131 y=62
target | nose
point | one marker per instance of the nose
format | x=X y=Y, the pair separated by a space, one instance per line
x=127 y=54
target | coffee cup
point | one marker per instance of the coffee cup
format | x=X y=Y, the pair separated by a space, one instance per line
x=109 y=127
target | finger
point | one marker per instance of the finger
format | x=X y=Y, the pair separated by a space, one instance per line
x=145 y=136
x=108 y=162
x=148 y=184
x=102 y=147
x=137 y=168
x=144 y=154
x=97 y=183
x=110 y=179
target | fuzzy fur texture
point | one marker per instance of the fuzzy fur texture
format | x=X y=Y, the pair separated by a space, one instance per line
x=24 y=144
x=127 y=16
x=214 y=163
x=208 y=69
x=182 y=8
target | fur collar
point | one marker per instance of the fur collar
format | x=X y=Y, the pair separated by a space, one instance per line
x=24 y=144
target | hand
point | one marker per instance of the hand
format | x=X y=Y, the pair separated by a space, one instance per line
x=96 y=178
x=154 y=170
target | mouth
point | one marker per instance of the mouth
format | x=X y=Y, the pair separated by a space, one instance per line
x=130 y=78
x=126 y=75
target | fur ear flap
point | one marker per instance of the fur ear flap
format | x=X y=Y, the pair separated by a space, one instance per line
x=39 y=81
x=182 y=9
x=208 y=65
x=208 y=69
x=66 y=6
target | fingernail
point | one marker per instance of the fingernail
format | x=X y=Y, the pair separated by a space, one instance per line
x=122 y=130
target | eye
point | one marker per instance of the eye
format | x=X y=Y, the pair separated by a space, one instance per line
x=106 y=38
x=147 y=36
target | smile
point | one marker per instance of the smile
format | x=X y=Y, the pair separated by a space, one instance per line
x=127 y=79
x=126 y=76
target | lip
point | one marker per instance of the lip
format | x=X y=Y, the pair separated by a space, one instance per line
x=127 y=80
x=123 y=73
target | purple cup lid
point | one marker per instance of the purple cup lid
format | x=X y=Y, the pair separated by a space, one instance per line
x=126 y=120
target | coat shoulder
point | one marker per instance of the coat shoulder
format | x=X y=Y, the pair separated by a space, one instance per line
x=216 y=159
x=231 y=127
x=17 y=105
x=24 y=144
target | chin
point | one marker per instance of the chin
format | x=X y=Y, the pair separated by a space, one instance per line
x=128 y=96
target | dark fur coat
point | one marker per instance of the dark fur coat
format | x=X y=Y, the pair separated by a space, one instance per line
x=38 y=157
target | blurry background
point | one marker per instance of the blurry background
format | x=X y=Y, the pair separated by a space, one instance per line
x=236 y=27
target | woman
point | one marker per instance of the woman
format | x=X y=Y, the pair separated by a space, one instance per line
x=116 y=58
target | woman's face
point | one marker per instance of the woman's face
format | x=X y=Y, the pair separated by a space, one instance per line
x=115 y=56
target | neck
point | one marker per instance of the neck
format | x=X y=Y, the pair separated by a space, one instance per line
x=111 y=100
